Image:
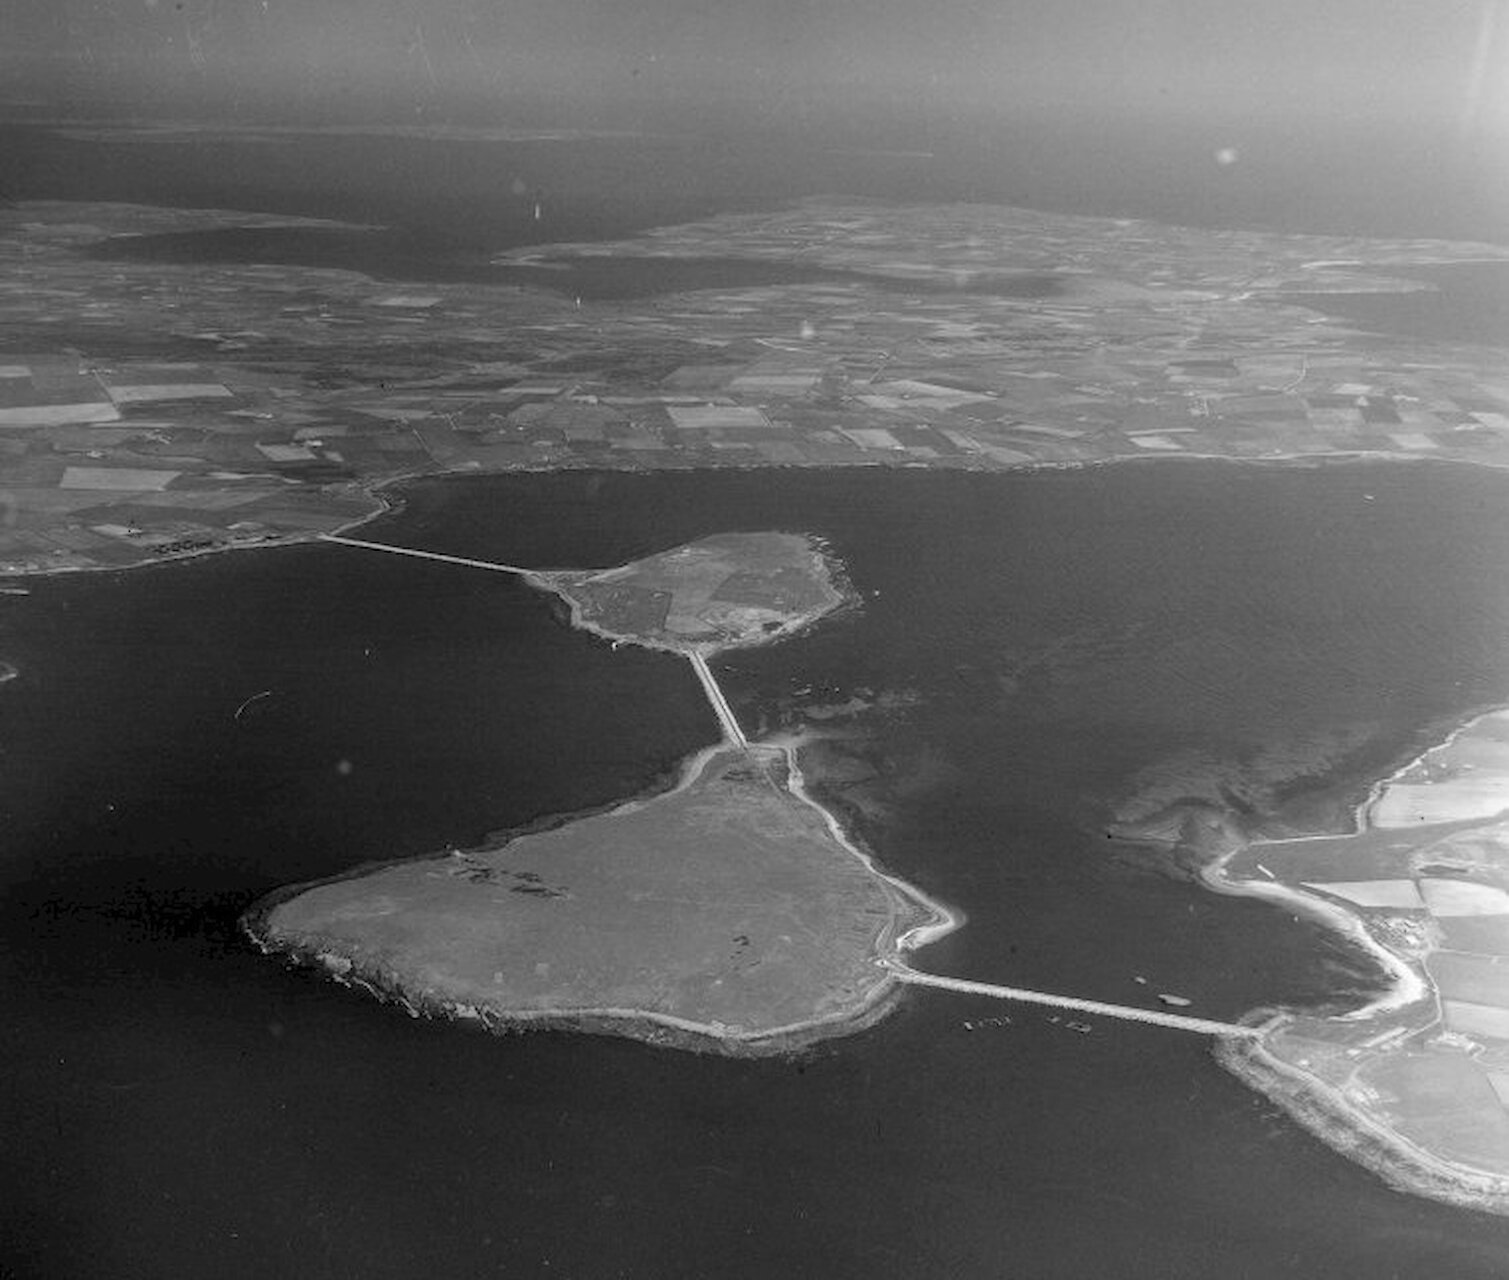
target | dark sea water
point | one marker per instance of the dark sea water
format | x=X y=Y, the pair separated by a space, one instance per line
x=1468 y=302
x=176 y=1105
x=388 y=255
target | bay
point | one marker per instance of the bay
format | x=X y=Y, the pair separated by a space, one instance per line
x=1466 y=302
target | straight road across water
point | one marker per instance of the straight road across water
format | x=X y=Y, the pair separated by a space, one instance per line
x=1129 y=1013
x=725 y=713
x=425 y=555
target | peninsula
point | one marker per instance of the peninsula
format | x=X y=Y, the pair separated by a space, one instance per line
x=1414 y=1085
x=731 y=913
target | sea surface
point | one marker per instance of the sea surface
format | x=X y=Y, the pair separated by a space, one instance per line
x=1466 y=302
x=183 y=739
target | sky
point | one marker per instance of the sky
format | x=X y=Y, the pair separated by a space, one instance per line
x=1324 y=60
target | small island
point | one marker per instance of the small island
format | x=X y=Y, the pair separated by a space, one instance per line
x=721 y=592
x=731 y=913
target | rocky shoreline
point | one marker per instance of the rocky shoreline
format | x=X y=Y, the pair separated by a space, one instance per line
x=1325 y=1114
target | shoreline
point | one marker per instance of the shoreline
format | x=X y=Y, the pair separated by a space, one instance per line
x=944 y=919
x=389 y=505
x=1322 y=1112
x=1405 y=985
x=660 y=1030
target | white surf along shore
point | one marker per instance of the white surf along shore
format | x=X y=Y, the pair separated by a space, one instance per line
x=1406 y=983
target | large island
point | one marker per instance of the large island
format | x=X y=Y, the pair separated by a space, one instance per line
x=730 y=913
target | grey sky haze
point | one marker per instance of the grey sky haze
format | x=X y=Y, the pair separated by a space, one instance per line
x=1356 y=59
